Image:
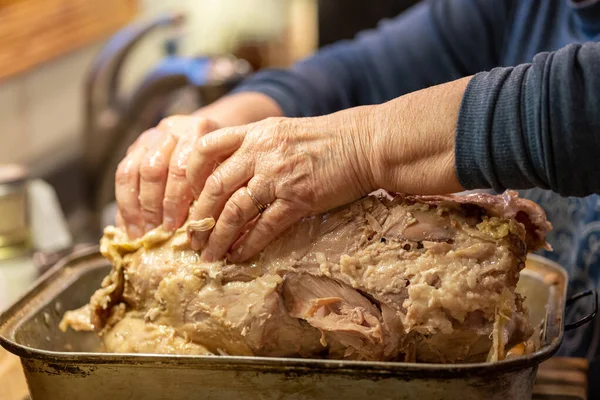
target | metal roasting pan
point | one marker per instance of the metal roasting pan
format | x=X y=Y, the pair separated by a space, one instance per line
x=68 y=365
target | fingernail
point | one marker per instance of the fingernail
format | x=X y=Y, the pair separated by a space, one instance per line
x=134 y=231
x=149 y=227
x=235 y=254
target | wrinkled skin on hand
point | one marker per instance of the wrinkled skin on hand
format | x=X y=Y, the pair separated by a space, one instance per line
x=256 y=180
x=297 y=166
x=151 y=187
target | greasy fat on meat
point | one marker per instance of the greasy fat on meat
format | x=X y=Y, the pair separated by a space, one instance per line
x=405 y=278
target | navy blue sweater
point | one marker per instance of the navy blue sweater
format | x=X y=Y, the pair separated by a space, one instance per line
x=519 y=127
x=529 y=118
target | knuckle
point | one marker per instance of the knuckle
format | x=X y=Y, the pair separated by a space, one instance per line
x=149 y=138
x=152 y=171
x=129 y=213
x=150 y=210
x=267 y=227
x=177 y=172
x=260 y=186
x=214 y=185
x=121 y=170
x=194 y=183
x=186 y=125
x=307 y=194
x=168 y=122
x=132 y=146
x=126 y=173
x=233 y=214
x=204 y=125
x=303 y=194
x=157 y=157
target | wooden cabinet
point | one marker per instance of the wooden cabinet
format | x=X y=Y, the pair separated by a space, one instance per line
x=35 y=31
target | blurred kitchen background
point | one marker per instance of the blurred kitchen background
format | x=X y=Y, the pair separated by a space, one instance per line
x=80 y=79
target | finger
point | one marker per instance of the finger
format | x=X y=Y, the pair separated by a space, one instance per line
x=119 y=221
x=220 y=185
x=127 y=181
x=154 y=170
x=146 y=139
x=249 y=226
x=208 y=150
x=178 y=193
x=276 y=219
x=237 y=213
x=185 y=125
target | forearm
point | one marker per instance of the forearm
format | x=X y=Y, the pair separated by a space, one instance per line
x=403 y=55
x=240 y=109
x=413 y=148
x=534 y=125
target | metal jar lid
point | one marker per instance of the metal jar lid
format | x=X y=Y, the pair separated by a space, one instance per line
x=14 y=219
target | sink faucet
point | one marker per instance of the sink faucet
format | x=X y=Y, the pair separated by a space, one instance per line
x=114 y=119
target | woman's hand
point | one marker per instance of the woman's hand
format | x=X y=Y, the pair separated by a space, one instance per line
x=151 y=186
x=273 y=173
x=294 y=167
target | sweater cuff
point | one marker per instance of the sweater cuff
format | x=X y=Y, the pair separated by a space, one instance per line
x=270 y=84
x=492 y=149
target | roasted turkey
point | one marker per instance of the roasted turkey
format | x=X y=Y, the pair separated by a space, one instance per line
x=404 y=278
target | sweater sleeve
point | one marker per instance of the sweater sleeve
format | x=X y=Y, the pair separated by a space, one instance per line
x=434 y=42
x=534 y=125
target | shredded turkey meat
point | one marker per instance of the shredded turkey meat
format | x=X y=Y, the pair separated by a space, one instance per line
x=406 y=278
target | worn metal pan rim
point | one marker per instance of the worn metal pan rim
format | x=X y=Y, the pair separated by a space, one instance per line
x=264 y=363
x=276 y=363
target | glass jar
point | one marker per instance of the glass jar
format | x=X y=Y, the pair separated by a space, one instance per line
x=15 y=237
